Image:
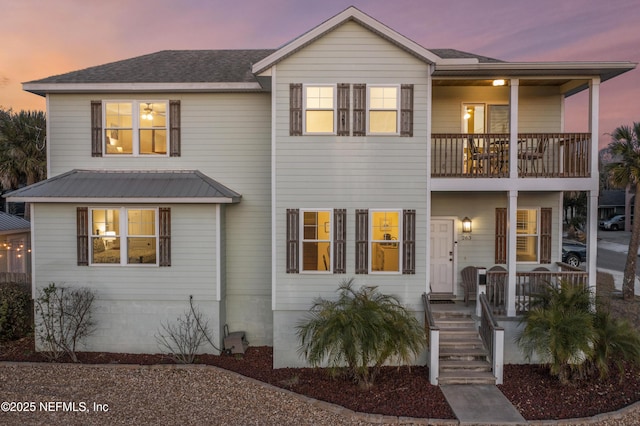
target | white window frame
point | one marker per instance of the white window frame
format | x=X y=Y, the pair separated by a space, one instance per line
x=123 y=234
x=334 y=88
x=397 y=242
x=303 y=240
x=537 y=235
x=135 y=126
x=396 y=109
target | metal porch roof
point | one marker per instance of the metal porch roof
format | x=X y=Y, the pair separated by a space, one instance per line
x=175 y=186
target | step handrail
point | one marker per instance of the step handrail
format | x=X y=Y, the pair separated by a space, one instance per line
x=492 y=335
x=432 y=334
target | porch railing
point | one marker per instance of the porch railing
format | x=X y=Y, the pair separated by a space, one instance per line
x=528 y=286
x=487 y=155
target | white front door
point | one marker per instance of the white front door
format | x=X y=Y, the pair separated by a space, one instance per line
x=442 y=276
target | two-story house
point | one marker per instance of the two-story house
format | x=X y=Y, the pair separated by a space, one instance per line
x=257 y=180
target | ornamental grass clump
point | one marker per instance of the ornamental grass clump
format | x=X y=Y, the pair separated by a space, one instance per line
x=359 y=332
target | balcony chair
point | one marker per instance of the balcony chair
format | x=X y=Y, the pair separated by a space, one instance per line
x=527 y=157
x=469 y=283
x=481 y=160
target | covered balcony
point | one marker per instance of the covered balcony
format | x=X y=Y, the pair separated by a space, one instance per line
x=488 y=155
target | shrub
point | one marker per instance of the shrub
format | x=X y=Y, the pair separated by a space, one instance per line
x=361 y=330
x=566 y=331
x=615 y=341
x=183 y=339
x=15 y=312
x=64 y=318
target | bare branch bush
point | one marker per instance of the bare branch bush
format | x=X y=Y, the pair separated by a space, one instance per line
x=182 y=340
x=64 y=318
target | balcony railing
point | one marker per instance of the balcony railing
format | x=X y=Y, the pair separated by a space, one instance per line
x=487 y=155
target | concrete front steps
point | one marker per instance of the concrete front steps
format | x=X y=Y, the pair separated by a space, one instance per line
x=463 y=358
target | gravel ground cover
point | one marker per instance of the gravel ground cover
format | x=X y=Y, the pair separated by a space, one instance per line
x=162 y=393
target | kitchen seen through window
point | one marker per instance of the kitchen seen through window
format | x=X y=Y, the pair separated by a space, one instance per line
x=385 y=250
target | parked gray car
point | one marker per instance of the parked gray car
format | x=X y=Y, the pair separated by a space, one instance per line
x=616 y=223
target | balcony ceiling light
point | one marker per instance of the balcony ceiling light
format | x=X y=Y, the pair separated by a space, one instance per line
x=499 y=82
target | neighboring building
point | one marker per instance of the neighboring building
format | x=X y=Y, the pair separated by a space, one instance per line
x=611 y=203
x=15 y=249
x=257 y=180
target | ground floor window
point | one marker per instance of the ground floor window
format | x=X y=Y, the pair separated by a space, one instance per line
x=316 y=240
x=123 y=236
x=527 y=237
x=385 y=240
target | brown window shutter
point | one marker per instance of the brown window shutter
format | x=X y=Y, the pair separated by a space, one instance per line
x=82 y=226
x=343 y=109
x=293 y=230
x=406 y=110
x=96 y=128
x=339 y=241
x=501 y=235
x=409 y=242
x=545 y=235
x=359 y=109
x=295 y=109
x=174 y=130
x=362 y=241
x=164 y=225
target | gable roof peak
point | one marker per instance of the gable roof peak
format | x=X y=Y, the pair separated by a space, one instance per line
x=350 y=14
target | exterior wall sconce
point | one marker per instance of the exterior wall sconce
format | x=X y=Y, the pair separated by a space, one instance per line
x=466 y=228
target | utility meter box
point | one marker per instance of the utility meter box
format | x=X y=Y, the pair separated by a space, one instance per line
x=236 y=342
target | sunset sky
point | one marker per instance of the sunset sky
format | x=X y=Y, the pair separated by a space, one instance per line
x=48 y=37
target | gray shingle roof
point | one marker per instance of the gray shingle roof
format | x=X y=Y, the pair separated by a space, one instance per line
x=171 y=66
x=611 y=198
x=143 y=186
x=192 y=66
x=459 y=54
x=9 y=222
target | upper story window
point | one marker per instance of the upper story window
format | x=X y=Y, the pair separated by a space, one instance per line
x=135 y=128
x=383 y=109
x=319 y=104
x=351 y=109
x=124 y=236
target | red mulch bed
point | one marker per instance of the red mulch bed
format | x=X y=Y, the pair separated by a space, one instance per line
x=398 y=391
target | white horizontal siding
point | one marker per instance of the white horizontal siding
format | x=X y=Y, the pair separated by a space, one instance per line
x=227 y=137
x=373 y=172
x=193 y=254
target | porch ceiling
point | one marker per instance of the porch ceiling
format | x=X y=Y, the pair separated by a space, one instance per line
x=489 y=82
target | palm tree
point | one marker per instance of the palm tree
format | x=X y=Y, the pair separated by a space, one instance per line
x=360 y=331
x=23 y=157
x=625 y=171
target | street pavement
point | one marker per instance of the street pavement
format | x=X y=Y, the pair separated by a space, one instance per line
x=616 y=242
